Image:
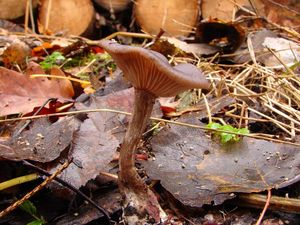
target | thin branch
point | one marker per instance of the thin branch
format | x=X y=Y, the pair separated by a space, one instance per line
x=265 y=208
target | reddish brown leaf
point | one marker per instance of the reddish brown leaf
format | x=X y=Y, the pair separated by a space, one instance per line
x=20 y=94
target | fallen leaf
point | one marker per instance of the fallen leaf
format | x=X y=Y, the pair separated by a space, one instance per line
x=93 y=150
x=257 y=40
x=99 y=136
x=43 y=142
x=7 y=27
x=287 y=52
x=194 y=48
x=20 y=94
x=197 y=170
x=283 y=12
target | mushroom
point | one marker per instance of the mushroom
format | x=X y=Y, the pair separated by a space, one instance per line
x=151 y=76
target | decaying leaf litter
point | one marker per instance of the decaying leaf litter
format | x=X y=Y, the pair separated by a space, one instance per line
x=262 y=98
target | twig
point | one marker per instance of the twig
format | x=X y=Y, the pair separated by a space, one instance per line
x=151 y=118
x=265 y=208
x=283 y=204
x=128 y=34
x=60 y=77
x=207 y=108
x=34 y=191
x=27 y=16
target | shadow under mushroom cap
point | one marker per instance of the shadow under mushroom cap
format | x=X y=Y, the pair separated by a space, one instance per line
x=150 y=71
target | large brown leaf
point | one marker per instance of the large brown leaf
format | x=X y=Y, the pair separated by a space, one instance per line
x=43 y=142
x=197 y=170
x=99 y=136
x=20 y=94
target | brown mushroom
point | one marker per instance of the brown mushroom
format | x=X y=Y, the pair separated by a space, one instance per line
x=152 y=76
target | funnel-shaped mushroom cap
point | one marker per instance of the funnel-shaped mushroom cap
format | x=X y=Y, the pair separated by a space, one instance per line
x=150 y=71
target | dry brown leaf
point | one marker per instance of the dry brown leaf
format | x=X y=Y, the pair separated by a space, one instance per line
x=99 y=136
x=43 y=142
x=197 y=170
x=194 y=48
x=283 y=12
x=20 y=94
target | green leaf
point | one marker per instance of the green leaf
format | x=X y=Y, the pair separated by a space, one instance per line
x=243 y=131
x=213 y=125
x=28 y=207
x=54 y=59
x=36 y=222
x=224 y=136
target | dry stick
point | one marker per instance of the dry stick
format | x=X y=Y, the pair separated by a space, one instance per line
x=49 y=6
x=246 y=118
x=281 y=125
x=35 y=190
x=71 y=187
x=151 y=118
x=265 y=208
x=26 y=16
x=276 y=122
x=283 y=204
x=242 y=115
x=207 y=109
x=128 y=34
x=60 y=77
x=286 y=111
x=32 y=17
x=282 y=63
x=289 y=109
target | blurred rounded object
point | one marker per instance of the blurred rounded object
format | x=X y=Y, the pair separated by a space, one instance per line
x=175 y=17
x=67 y=16
x=113 y=5
x=12 y=9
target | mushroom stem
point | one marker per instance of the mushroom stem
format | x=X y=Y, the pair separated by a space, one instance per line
x=136 y=193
